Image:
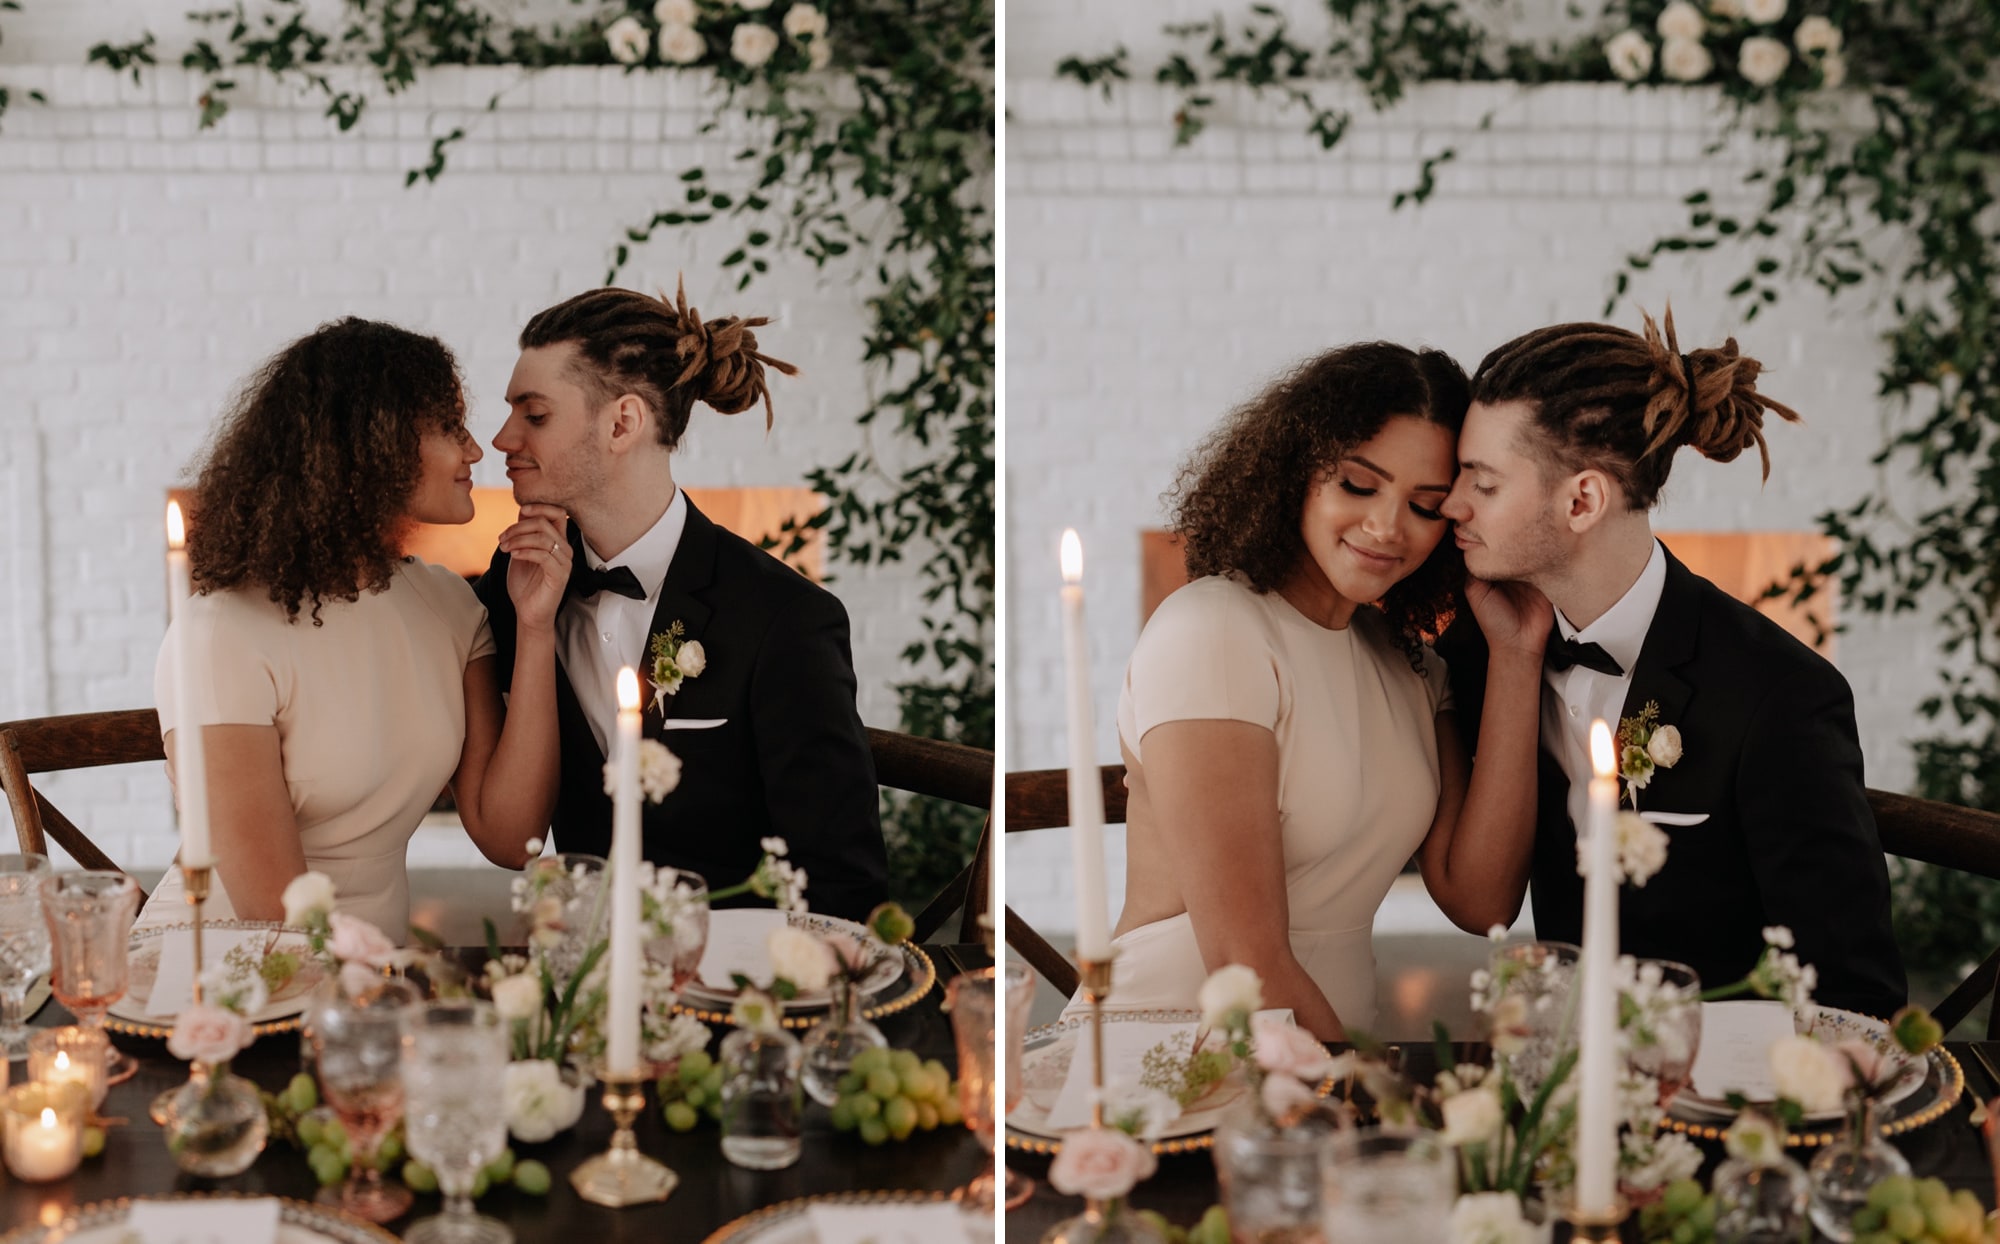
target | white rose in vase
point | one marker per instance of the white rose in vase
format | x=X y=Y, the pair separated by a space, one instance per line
x=1228 y=991
x=1472 y=1117
x=517 y=997
x=307 y=895
x=1810 y=1074
x=801 y=958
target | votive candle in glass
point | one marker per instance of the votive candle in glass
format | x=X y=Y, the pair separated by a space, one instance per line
x=44 y=1130
x=70 y=1054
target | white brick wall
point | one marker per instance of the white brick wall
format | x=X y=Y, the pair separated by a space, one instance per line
x=145 y=268
x=1150 y=289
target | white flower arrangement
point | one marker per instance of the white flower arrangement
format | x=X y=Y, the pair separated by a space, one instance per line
x=540 y=1100
x=1490 y=1218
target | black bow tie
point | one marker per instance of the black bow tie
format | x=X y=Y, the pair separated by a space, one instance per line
x=619 y=579
x=1562 y=653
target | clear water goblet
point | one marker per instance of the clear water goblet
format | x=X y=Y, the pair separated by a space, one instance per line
x=1663 y=1031
x=454 y=1053
x=356 y=1043
x=89 y=918
x=24 y=945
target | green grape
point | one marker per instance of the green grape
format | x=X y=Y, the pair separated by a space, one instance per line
x=938 y=1072
x=1158 y=1221
x=843 y=1114
x=681 y=1117
x=885 y=1083
x=311 y=1130
x=874 y=1131
x=1684 y=1233
x=1681 y=1197
x=1875 y=1237
x=334 y=1132
x=1868 y=1219
x=695 y=1096
x=1894 y=1190
x=1906 y=1221
x=480 y=1183
x=904 y=1060
x=532 y=1177
x=302 y=1094
x=329 y=1165
x=927 y=1115
x=695 y=1064
x=1212 y=1229
x=870 y=1060
x=501 y=1169
x=418 y=1177
x=850 y=1083
x=390 y=1151
x=866 y=1106
x=948 y=1112
x=900 y=1115
x=93 y=1141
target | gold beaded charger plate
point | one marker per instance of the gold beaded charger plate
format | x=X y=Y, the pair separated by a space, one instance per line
x=1046 y=1054
x=789 y=1222
x=741 y=948
x=281 y=1013
x=916 y=975
x=1831 y=1025
x=299 y=1222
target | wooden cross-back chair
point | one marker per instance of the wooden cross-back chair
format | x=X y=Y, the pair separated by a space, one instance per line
x=132 y=736
x=1924 y=830
x=54 y=744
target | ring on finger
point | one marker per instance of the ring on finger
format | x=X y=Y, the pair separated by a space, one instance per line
x=554 y=547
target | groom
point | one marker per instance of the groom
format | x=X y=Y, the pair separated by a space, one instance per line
x=763 y=719
x=1568 y=441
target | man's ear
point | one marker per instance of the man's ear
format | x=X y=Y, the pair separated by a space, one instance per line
x=1590 y=496
x=631 y=423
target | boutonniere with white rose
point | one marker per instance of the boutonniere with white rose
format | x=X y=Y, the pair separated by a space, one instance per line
x=674 y=659
x=1645 y=745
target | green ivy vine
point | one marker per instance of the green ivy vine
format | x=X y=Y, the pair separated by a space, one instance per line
x=6 y=94
x=876 y=123
x=1884 y=120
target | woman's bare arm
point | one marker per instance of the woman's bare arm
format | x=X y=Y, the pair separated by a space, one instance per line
x=1211 y=788
x=251 y=826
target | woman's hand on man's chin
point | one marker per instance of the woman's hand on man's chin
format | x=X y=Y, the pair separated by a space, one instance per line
x=1513 y=616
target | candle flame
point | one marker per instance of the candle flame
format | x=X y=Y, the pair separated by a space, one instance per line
x=1603 y=758
x=628 y=690
x=48 y=1117
x=62 y=1060
x=1072 y=556
x=176 y=528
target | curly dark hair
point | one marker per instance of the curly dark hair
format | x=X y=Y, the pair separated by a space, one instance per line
x=305 y=489
x=1238 y=499
x=660 y=350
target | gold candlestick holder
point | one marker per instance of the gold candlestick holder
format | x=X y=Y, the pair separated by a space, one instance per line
x=621 y=1175
x=1094 y=978
x=1596 y=1228
x=195 y=880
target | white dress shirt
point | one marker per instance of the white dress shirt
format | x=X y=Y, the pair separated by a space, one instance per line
x=598 y=635
x=1575 y=697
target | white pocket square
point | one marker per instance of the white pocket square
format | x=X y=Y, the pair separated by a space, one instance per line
x=693 y=723
x=1674 y=818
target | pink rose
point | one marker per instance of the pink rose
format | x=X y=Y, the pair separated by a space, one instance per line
x=357 y=980
x=1100 y=1164
x=1285 y=1098
x=1867 y=1059
x=357 y=941
x=854 y=955
x=208 y=1034
x=1287 y=1049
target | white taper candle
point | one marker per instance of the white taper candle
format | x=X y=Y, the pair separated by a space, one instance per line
x=622 y=1020
x=190 y=769
x=1597 y=1038
x=1086 y=792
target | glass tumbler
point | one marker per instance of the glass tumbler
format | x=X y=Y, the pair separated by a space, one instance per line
x=89 y=918
x=24 y=945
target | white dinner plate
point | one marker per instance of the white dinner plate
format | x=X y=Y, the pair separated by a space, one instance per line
x=298 y=1223
x=1829 y=1024
x=736 y=944
x=789 y=1222
x=286 y=1003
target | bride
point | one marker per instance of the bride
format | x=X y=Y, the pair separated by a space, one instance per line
x=1288 y=736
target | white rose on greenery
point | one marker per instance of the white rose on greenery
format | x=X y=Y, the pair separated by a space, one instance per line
x=1679 y=20
x=1816 y=34
x=1631 y=56
x=1472 y=1117
x=307 y=895
x=1763 y=12
x=1642 y=848
x=1762 y=60
x=692 y=657
x=805 y=20
x=1656 y=1160
x=799 y=957
x=819 y=53
x=1756 y=1139
x=1665 y=744
x=752 y=44
x=539 y=1102
x=517 y=997
x=1489 y=1218
x=1810 y=1073
x=682 y=1035
x=1832 y=70
x=1230 y=996
x=681 y=45
x=753 y=6
x=627 y=38
x=1730 y=9
x=675 y=12
x=1685 y=60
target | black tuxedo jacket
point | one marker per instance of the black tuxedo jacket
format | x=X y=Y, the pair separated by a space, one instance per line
x=1770 y=753
x=791 y=759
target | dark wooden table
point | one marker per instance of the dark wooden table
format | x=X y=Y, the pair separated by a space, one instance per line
x=1950 y=1149
x=712 y=1192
